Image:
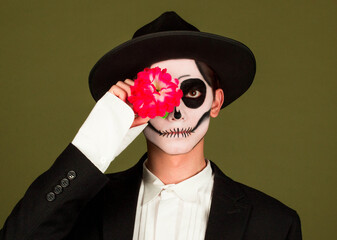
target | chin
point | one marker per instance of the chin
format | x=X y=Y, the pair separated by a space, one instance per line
x=176 y=145
x=176 y=150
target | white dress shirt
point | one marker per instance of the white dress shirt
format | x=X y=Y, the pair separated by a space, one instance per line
x=164 y=212
x=175 y=211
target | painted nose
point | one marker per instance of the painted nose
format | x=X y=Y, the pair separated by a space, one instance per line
x=177 y=114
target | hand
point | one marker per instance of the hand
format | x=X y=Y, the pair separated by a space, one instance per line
x=122 y=91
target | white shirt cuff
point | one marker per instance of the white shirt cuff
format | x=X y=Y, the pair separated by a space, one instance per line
x=106 y=132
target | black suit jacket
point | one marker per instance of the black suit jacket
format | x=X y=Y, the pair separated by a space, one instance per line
x=95 y=206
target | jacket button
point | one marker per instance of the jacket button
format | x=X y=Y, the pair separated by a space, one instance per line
x=64 y=182
x=58 y=189
x=50 y=197
x=71 y=175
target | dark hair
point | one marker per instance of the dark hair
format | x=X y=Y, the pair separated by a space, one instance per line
x=209 y=75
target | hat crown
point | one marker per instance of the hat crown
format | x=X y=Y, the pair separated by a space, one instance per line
x=168 y=21
x=171 y=37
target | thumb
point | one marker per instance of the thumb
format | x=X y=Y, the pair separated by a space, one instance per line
x=139 y=121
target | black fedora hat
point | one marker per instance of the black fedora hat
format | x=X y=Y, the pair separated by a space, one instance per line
x=171 y=37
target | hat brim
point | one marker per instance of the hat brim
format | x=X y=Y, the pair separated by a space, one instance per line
x=233 y=62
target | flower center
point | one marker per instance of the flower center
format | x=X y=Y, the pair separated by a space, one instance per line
x=157 y=85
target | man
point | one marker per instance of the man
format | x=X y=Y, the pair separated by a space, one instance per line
x=173 y=192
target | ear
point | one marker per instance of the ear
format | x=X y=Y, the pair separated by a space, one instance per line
x=217 y=103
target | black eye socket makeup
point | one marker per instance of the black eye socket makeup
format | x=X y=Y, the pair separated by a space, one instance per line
x=194 y=91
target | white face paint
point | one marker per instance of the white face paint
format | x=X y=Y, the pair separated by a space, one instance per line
x=188 y=124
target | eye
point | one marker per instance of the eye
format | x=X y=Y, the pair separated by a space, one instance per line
x=193 y=94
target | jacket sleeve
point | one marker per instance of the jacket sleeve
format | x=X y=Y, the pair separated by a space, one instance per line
x=54 y=200
x=295 y=232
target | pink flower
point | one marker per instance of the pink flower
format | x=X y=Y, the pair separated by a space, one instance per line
x=154 y=93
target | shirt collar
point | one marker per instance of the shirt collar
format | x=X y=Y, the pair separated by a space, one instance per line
x=186 y=190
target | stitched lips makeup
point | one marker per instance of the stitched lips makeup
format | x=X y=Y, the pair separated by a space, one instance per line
x=187 y=124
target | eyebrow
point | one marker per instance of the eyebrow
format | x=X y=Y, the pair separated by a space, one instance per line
x=183 y=76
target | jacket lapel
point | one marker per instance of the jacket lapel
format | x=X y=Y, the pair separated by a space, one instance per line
x=229 y=211
x=120 y=203
x=228 y=217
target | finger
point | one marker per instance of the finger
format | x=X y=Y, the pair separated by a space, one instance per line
x=118 y=92
x=124 y=86
x=139 y=121
x=130 y=82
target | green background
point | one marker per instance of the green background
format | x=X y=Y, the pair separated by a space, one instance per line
x=280 y=137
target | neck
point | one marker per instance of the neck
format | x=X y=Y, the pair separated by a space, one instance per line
x=172 y=169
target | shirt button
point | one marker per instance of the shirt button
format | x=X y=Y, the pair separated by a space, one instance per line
x=50 y=197
x=71 y=175
x=58 y=189
x=64 y=182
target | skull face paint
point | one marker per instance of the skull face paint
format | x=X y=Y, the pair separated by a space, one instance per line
x=188 y=123
x=194 y=91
